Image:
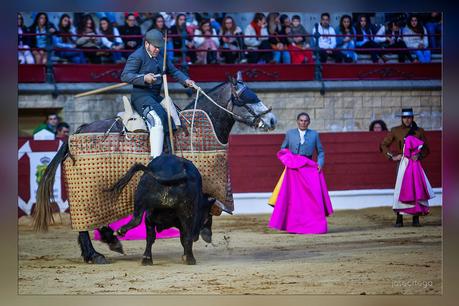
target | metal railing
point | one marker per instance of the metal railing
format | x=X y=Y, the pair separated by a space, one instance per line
x=244 y=50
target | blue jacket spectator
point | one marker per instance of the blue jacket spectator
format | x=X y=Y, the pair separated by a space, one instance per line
x=42 y=40
x=346 y=42
x=65 y=38
x=364 y=39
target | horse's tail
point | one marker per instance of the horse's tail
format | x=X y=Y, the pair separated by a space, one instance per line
x=42 y=215
x=116 y=189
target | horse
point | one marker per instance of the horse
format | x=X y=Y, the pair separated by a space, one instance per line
x=234 y=101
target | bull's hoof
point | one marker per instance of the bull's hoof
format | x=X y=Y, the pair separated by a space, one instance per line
x=97 y=259
x=116 y=247
x=189 y=260
x=147 y=261
x=206 y=235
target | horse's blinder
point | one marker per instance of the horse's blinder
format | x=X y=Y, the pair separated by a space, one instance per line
x=241 y=97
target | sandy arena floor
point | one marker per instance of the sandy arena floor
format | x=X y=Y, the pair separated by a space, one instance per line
x=361 y=254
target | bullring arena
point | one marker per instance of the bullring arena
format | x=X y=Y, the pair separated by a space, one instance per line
x=361 y=254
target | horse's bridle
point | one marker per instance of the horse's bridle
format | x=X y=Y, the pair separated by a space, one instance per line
x=235 y=99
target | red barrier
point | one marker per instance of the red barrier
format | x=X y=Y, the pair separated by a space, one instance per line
x=352 y=161
x=110 y=73
x=31 y=73
x=399 y=71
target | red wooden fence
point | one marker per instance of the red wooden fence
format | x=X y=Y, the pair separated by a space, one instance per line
x=352 y=161
x=72 y=73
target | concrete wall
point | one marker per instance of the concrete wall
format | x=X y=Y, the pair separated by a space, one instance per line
x=345 y=106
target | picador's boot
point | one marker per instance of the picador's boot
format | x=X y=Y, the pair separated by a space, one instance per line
x=416 y=221
x=156 y=134
x=399 y=221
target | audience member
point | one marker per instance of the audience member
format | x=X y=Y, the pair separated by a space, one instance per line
x=111 y=39
x=205 y=38
x=63 y=131
x=299 y=40
x=160 y=24
x=42 y=40
x=109 y=16
x=88 y=40
x=145 y=21
x=283 y=44
x=277 y=43
x=415 y=37
x=390 y=36
x=256 y=38
x=378 y=126
x=346 y=42
x=327 y=39
x=130 y=28
x=229 y=42
x=183 y=42
x=24 y=56
x=65 y=38
x=364 y=40
x=433 y=24
x=50 y=124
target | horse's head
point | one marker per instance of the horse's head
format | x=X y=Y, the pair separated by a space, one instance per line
x=250 y=109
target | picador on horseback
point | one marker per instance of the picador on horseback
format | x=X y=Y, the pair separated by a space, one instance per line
x=101 y=159
x=144 y=70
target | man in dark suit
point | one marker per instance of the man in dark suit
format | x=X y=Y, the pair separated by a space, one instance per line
x=304 y=141
x=144 y=70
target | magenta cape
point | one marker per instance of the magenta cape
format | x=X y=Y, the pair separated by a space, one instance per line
x=139 y=232
x=303 y=201
x=415 y=189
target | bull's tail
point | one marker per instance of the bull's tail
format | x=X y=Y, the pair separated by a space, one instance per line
x=42 y=215
x=118 y=187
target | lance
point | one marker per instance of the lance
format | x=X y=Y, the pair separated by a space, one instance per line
x=166 y=94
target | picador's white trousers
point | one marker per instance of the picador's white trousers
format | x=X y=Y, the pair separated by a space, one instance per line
x=156 y=133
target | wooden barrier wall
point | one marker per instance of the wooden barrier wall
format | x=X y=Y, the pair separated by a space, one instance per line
x=352 y=161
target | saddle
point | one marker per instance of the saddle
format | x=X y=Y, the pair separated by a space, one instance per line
x=136 y=124
x=131 y=119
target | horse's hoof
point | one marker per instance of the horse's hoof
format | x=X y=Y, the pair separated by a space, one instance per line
x=206 y=235
x=97 y=259
x=188 y=260
x=116 y=247
x=147 y=261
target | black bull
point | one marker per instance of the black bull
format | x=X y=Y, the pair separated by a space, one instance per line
x=170 y=193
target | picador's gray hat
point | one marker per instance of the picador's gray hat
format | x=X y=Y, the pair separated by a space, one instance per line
x=155 y=38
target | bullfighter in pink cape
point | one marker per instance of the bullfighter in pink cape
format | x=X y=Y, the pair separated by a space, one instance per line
x=303 y=202
x=412 y=189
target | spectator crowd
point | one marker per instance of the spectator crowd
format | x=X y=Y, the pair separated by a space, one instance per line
x=205 y=38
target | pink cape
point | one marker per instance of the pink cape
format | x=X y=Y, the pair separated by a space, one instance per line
x=415 y=188
x=139 y=232
x=303 y=201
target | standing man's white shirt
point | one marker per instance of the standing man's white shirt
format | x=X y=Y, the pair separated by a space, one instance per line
x=302 y=133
